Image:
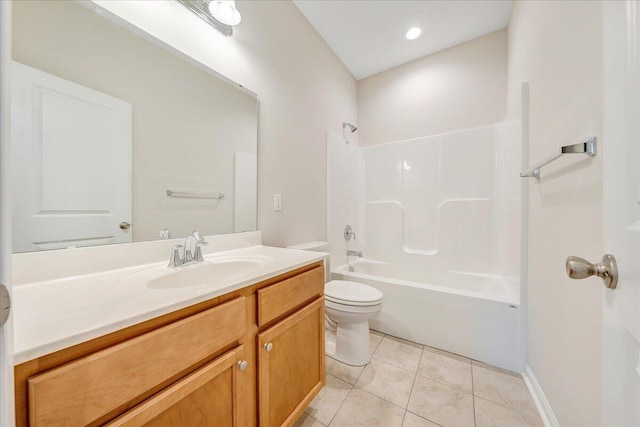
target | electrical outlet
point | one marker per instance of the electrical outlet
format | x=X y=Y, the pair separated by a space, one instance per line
x=277 y=202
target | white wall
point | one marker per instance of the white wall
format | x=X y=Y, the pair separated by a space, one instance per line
x=557 y=47
x=302 y=87
x=458 y=88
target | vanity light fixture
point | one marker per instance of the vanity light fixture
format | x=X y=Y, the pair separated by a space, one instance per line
x=413 y=33
x=220 y=14
x=225 y=11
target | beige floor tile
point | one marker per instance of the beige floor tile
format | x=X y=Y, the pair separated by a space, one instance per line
x=493 y=368
x=324 y=407
x=412 y=420
x=387 y=381
x=342 y=371
x=362 y=409
x=441 y=404
x=502 y=388
x=400 y=353
x=446 y=370
x=374 y=339
x=307 y=421
x=446 y=353
x=489 y=414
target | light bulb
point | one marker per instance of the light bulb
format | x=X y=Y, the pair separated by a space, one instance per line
x=225 y=11
x=413 y=33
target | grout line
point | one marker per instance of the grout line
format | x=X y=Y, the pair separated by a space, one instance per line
x=449 y=385
x=425 y=418
x=360 y=374
x=341 y=403
x=473 y=397
x=379 y=342
x=404 y=415
x=510 y=408
x=413 y=385
x=381 y=398
x=488 y=367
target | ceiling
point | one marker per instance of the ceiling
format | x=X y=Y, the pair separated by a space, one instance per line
x=368 y=35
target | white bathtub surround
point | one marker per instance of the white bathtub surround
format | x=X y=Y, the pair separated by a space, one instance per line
x=345 y=194
x=448 y=202
x=54 y=314
x=438 y=221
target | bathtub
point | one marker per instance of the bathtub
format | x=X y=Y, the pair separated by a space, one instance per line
x=472 y=315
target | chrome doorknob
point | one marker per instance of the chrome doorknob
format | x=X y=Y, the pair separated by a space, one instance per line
x=125 y=226
x=607 y=269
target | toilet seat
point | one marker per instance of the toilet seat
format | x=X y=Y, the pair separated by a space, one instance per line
x=354 y=294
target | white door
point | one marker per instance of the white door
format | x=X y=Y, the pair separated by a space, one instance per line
x=71 y=162
x=6 y=330
x=621 y=156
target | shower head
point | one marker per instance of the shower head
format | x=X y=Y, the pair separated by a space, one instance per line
x=350 y=126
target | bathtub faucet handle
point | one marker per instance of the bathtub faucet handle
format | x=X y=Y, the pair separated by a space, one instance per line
x=349 y=233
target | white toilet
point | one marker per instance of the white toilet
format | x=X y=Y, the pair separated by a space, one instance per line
x=348 y=308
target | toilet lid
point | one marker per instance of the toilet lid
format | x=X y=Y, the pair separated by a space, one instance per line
x=351 y=293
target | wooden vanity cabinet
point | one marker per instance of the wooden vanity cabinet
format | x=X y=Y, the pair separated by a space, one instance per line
x=291 y=365
x=210 y=396
x=204 y=365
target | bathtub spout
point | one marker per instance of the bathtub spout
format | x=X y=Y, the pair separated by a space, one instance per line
x=355 y=253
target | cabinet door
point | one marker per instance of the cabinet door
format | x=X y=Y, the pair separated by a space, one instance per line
x=94 y=388
x=208 y=397
x=291 y=365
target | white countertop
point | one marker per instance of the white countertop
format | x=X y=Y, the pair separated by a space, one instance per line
x=56 y=314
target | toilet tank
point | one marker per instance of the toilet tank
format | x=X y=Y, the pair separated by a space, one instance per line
x=316 y=246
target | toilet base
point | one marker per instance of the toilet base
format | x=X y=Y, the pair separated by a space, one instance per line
x=349 y=343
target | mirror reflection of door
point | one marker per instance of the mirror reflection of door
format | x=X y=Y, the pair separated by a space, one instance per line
x=71 y=150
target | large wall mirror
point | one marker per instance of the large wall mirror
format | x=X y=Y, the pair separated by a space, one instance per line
x=117 y=138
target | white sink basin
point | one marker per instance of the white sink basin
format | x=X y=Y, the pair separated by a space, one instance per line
x=213 y=271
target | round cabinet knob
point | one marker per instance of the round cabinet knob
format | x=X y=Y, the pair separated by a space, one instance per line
x=125 y=226
x=242 y=365
x=268 y=346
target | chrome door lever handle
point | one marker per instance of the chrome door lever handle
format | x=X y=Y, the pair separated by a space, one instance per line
x=607 y=269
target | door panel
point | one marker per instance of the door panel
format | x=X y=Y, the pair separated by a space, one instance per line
x=621 y=156
x=292 y=372
x=71 y=163
x=7 y=414
x=206 y=398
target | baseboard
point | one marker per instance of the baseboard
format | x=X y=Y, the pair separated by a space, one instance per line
x=544 y=408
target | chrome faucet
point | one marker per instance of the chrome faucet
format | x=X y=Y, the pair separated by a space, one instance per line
x=192 y=250
x=354 y=253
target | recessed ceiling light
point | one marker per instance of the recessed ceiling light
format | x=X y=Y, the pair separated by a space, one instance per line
x=413 y=33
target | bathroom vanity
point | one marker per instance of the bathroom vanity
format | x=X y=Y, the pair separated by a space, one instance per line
x=240 y=352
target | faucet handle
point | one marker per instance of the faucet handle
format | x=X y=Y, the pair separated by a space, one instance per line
x=175 y=259
x=349 y=233
x=198 y=255
x=199 y=239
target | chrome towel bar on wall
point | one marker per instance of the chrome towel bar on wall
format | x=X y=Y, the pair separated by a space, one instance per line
x=194 y=194
x=588 y=147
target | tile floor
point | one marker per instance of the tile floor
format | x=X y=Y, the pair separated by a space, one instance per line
x=410 y=385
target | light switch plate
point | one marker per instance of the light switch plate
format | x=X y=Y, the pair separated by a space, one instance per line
x=277 y=202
